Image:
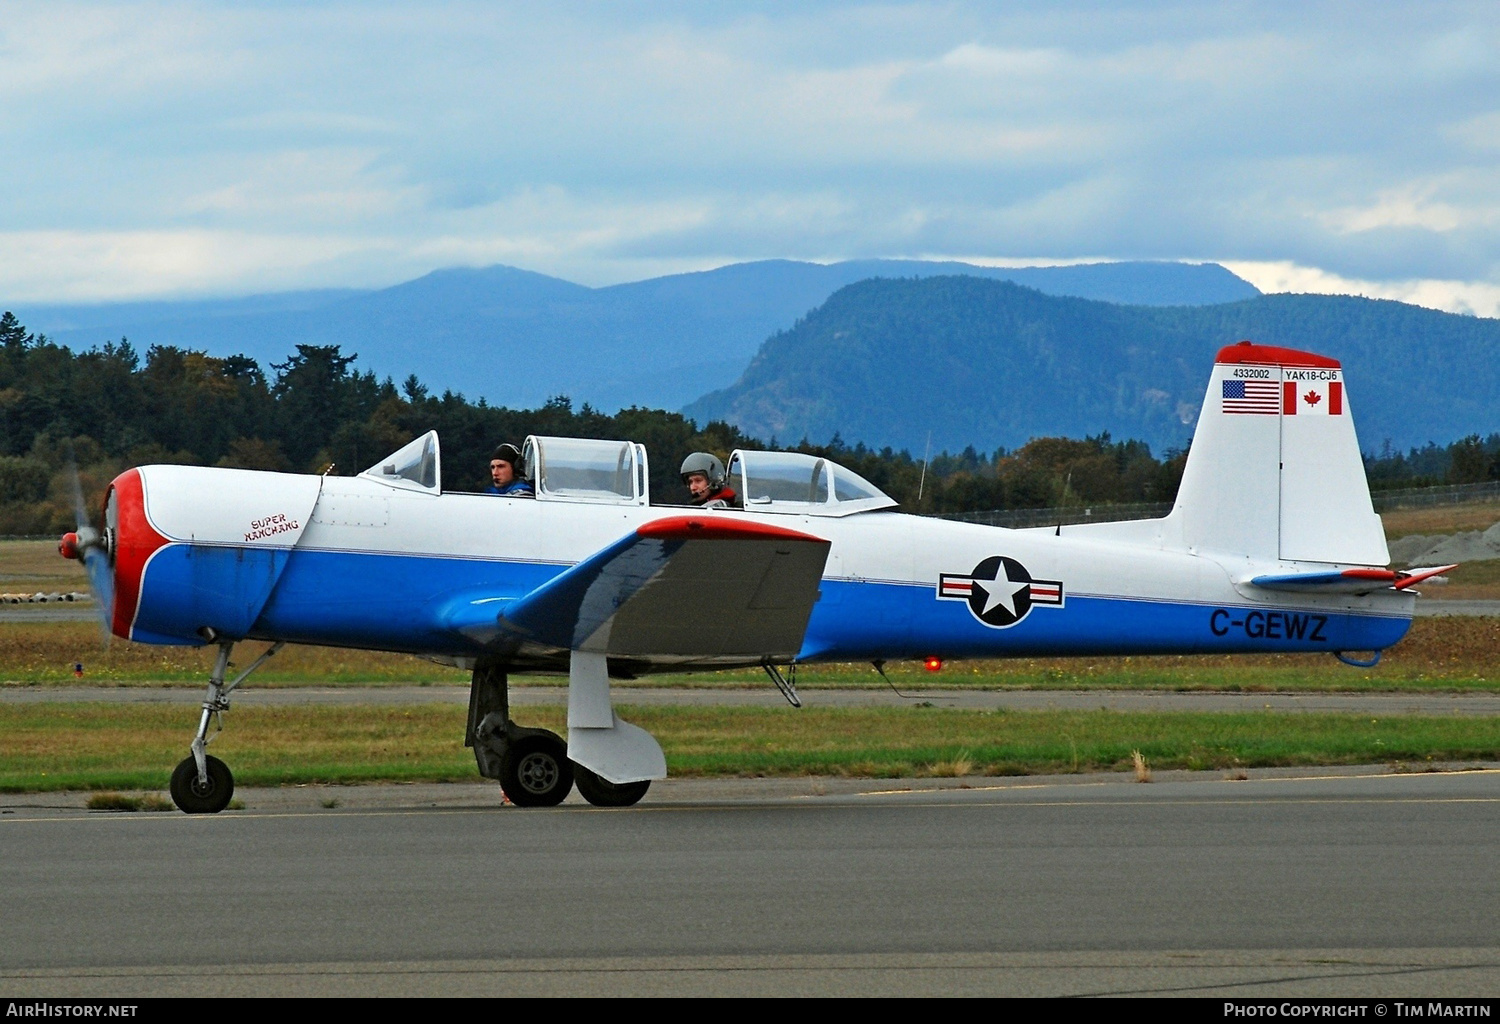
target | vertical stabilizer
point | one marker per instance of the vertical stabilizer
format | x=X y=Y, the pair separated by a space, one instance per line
x=1275 y=471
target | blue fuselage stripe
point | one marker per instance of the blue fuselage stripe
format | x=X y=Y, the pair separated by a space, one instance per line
x=401 y=603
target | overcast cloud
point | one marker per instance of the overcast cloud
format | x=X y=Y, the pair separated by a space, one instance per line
x=216 y=149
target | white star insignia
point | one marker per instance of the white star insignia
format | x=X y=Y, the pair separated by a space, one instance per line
x=1002 y=590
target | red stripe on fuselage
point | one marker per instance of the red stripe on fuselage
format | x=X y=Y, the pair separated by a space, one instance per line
x=136 y=540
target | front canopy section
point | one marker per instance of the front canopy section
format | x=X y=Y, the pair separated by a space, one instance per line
x=797 y=484
x=413 y=467
x=581 y=469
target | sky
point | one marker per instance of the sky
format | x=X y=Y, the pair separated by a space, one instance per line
x=216 y=149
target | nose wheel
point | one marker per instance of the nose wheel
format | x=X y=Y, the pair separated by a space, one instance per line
x=208 y=795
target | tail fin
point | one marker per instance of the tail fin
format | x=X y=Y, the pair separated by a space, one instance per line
x=1274 y=472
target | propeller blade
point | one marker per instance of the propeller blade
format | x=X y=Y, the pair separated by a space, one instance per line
x=90 y=546
x=102 y=583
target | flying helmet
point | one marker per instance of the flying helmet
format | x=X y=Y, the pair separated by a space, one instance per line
x=510 y=453
x=707 y=464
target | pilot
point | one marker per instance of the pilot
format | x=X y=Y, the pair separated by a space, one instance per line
x=704 y=475
x=506 y=468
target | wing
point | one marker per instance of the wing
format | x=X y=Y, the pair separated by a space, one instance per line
x=683 y=587
x=1350 y=581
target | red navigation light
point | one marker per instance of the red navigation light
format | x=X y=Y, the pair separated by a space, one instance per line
x=933 y=664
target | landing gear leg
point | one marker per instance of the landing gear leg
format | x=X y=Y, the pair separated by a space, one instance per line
x=531 y=765
x=201 y=783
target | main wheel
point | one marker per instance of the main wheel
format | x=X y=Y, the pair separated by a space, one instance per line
x=536 y=772
x=603 y=793
x=208 y=797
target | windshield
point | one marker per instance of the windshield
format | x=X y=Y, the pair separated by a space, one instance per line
x=414 y=466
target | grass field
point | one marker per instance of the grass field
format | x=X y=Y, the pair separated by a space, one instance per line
x=1458 y=653
x=1475 y=515
x=80 y=746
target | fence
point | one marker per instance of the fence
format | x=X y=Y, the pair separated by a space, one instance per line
x=1384 y=501
x=1426 y=497
x=1021 y=518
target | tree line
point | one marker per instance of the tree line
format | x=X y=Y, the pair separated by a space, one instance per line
x=109 y=408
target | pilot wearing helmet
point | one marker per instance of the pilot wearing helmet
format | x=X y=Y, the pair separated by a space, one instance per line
x=506 y=469
x=703 y=474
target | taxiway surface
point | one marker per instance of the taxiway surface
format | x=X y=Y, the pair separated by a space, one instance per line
x=1357 y=884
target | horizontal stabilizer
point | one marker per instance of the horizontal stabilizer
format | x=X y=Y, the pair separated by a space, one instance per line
x=1349 y=581
x=687 y=586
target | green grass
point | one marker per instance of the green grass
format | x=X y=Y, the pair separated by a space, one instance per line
x=133 y=747
x=1454 y=654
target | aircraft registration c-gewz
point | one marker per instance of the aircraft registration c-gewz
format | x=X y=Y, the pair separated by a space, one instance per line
x=1272 y=545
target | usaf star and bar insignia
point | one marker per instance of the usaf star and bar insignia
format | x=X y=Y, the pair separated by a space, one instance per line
x=1000 y=591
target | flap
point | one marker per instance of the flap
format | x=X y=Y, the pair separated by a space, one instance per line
x=686 y=586
x=1350 y=581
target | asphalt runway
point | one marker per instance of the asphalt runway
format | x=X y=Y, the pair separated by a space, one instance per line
x=738 y=696
x=1359 y=885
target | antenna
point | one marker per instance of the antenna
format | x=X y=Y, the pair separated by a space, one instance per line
x=923 y=481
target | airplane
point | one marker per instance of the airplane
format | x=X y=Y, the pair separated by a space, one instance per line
x=1272 y=545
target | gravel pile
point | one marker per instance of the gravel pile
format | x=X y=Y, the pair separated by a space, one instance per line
x=1474 y=546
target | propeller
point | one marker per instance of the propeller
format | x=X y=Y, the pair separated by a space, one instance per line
x=92 y=548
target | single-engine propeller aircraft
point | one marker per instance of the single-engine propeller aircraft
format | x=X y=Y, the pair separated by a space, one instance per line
x=1272 y=545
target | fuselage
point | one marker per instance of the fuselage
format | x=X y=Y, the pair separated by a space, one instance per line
x=352 y=562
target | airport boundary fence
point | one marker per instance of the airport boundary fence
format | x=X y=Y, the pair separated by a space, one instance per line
x=1072 y=515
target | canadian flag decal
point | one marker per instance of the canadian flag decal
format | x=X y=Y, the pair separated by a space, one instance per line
x=1312 y=393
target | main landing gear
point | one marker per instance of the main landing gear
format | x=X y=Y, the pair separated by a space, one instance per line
x=531 y=765
x=201 y=783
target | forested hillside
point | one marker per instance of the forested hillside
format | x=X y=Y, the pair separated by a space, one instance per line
x=992 y=364
x=518 y=337
x=110 y=408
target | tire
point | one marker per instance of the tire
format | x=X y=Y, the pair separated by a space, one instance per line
x=536 y=772
x=603 y=793
x=209 y=798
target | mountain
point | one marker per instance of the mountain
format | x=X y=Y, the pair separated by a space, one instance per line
x=991 y=363
x=517 y=338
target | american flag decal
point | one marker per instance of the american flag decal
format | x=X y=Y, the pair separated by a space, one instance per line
x=1251 y=397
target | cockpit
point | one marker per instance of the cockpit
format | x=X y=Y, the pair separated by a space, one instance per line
x=575 y=469
x=791 y=483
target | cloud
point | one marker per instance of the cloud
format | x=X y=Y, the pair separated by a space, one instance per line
x=63 y=266
x=1478 y=298
x=349 y=143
